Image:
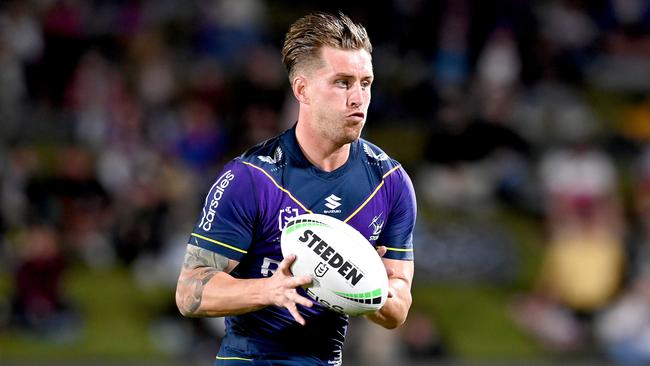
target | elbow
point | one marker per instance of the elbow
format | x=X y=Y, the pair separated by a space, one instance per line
x=391 y=325
x=394 y=323
x=398 y=317
x=181 y=306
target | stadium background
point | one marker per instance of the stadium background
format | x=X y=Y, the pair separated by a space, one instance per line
x=524 y=124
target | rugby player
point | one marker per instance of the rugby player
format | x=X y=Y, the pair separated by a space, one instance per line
x=233 y=264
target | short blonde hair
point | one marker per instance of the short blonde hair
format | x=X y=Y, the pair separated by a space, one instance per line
x=309 y=34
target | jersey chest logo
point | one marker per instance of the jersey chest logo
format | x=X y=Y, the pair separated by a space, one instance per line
x=286 y=214
x=333 y=202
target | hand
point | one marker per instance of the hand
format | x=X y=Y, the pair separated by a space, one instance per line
x=281 y=289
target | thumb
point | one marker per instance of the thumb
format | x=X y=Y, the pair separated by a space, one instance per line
x=381 y=250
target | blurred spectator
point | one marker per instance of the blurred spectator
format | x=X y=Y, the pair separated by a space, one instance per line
x=624 y=327
x=634 y=120
x=74 y=201
x=451 y=61
x=39 y=304
x=422 y=339
x=202 y=141
x=470 y=163
x=583 y=262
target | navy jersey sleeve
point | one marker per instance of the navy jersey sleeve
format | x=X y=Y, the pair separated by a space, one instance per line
x=398 y=234
x=225 y=224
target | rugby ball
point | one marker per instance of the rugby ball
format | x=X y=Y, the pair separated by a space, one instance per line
x=348 y=275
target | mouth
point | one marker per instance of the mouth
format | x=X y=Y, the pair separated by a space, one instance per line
x=357 y=116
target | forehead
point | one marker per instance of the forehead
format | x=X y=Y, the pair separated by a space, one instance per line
x=338 y=61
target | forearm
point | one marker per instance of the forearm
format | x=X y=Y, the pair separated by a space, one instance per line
x=205 y=287
x=394 y=312
x=209 y=292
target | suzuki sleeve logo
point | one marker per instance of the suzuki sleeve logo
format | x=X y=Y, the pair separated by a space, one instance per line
x=332 y=202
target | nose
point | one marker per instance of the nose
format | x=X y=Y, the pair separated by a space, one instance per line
x=355 y=96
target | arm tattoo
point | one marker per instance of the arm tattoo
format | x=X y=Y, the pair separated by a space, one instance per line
x=191 y=287
x=196 y=257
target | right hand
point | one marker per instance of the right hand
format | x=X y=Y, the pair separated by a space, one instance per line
x=281 y=289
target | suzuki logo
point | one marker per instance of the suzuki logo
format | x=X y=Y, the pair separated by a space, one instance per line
x=332 y=202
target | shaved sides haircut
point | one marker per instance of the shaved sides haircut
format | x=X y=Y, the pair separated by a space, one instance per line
x=312 y=32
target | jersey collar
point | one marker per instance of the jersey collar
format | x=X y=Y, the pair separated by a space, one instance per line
x=290 y=143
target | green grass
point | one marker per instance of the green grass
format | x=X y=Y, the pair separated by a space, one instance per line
x=474 y=322
x=116 y=317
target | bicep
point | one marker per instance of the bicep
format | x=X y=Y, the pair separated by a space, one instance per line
x=197 y=257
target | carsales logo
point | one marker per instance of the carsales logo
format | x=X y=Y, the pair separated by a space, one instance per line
x=218 y=188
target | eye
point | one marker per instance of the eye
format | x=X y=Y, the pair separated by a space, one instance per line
x=342 y=83
x=365 y=84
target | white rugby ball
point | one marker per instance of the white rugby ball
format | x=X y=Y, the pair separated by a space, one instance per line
x=348 y=274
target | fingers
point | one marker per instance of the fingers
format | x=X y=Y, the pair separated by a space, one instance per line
x=296 y=298
x=293 y=299
x=285 y=265
x=293 y=310
x=381 y=250
x=299 y=281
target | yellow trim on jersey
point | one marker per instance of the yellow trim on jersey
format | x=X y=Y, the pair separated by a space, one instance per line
x=234 y=359
x=365 y=202
x=390 y=171
x=219 y=243
x=279 y=186
x=400 y=249
x=372 y=194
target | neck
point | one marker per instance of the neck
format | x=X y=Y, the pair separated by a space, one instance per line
x=325 y=155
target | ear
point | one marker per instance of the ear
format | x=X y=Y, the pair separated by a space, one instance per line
x=299 y=87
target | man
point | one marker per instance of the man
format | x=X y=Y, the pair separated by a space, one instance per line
x=233 y=265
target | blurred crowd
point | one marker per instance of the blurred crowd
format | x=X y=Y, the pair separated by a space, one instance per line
x=115 y=117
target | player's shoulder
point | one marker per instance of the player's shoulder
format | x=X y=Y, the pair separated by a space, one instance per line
x=267 y=158
x=267 y=155
x=375 y=157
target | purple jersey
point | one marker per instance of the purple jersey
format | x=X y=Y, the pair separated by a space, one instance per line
x=255 y=196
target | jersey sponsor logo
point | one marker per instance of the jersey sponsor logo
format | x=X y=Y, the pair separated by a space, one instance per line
x=377 y=224
x=373 y=155
x=287 y=215
x=332 y=202
x=347 y=270
x=277 y=156
x=209 y=210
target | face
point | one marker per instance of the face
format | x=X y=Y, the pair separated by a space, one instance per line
x=338 y=94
